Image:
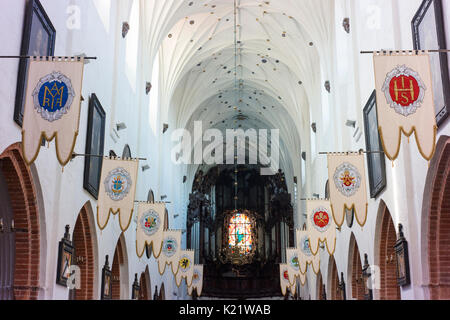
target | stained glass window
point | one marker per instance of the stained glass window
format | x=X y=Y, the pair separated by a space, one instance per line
x=240 y=233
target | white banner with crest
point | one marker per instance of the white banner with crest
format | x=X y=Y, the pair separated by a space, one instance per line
x=284 y=278
x=197 y=280
x=320 y=224
x=405 y=103
x=52 y=106
x=185 y=267
x=150 y=225
x=305 y=256
x=117 y=191
x=170 y=251
x=347 y=176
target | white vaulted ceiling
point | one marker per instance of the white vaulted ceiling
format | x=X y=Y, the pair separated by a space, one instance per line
x=281 y=57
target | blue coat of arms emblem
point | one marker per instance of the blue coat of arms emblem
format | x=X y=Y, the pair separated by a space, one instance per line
x=53 y=96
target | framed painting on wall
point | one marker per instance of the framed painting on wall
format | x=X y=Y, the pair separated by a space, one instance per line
x=428 y=34
x=95 y=140
x=38 y=39
x=375 y=160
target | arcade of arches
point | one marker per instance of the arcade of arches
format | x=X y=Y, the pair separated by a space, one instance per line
x=286 y=72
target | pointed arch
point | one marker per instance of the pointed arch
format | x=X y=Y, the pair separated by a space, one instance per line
x=436 y=223
x=355 y=271
x=84 y=241
x=119 y=271
x=385 y=257
x=320 y=290
x=145 y=285
x=333 y=280
x=21 y=254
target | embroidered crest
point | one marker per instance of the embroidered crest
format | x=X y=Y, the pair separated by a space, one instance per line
x=196 y=277
x=293 y=262
x=118 y=184
x=185 y=263
x=347 y=179
x=150 y=222
x=321 y=219
x=304 y=246
x=404 y=90
x=286 y=275
x=170 y=246
x=53 y=96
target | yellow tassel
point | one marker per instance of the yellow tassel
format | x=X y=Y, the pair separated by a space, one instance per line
x=408 y=140
x=392 y=164
x=62 y=169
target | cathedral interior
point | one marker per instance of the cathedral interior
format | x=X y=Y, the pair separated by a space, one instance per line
x=119 y=180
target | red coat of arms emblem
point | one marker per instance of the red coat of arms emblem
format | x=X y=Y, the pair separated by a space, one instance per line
x=404 y=90
x=320 y=219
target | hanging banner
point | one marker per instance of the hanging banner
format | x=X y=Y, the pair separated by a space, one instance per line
x=405 y=101
x=170 y=251
x=320 y=224
x=305 y=256
x=292 y=262
x=347 y=175
x=284 y=278
x=185 y=267
x=117 y=190
x=197 y=280
x=150 y=224
x=52 y=106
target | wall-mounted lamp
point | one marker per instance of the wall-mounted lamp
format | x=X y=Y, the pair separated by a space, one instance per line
x=314 y=127
x=184 y=179
x=316 y=195
x=165 y=127
x=121 y=126
x=327 y=86
x=176 y=216
x=125 y=29
x=136 y=288
x=148 y=87
x=66 y=251
x=1 y=226
x=106 y=293
x=304 y=155
x=401 y=252
x=163 y=197
x=346 y=24
x=145 y=167
x=342 y=287
x=351 y=123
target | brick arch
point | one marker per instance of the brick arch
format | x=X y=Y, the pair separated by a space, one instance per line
x=22 y=193
x=333 y=280
x=84 y=249
x=355 y=270
x=386 y=258
x=320 y=288
x=119 y=270
x=436 y=223
x=145 y=285
x=162 y=292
